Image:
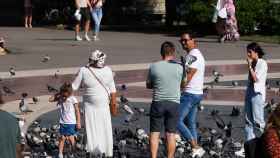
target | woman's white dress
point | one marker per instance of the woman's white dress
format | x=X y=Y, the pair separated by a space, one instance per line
x=97 y=110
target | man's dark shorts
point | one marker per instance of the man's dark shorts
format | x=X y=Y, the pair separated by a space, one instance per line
x=85 y=12
x=164 y=114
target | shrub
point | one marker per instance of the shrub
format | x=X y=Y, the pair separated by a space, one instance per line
x=249 y=14
x=253 y=16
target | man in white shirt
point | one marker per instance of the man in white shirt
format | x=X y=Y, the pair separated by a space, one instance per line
x=192 y=93
x=256 y=91
x=83 y=8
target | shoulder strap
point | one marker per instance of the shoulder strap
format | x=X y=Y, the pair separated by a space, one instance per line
x=102 y=84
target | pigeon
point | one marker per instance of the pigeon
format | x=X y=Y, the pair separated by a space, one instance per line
x=44 y=129
x=23 y=107
x=123 y=87
x=219 y=121
x=12 y=71
x=272 y=101
x=52 y=89
x=123 y=99
x=121 y=145
x=24 y=95
x=2 y=41
x=1 y=97
x=213 y=131
x=271 y=105
x=235 y=111
x=278 y=91
x=141 y=134
x=200 y=107
x=42 y=134
x=46 y=58
x=217 y=79
x=228 y=129
x=220 y=124
x=205 y=90
x=35 y=100
x=234 y=83
x=217 y=74
x=277 y=83
x=56 y=74
x=139 y=110
x=219 y=143
x=215 y=112
x=37 y=130
x=128 y=109
x=7 y=90
x=55 y=127
x=267 y=84
x=128 y=118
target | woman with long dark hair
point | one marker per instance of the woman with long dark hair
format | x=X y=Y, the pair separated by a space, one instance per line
x=256 y=91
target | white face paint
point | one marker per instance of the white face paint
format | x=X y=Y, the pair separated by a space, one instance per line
x=98 y=58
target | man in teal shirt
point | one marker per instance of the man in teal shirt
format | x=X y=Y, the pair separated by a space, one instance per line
x=9 y=136
x=165 y=77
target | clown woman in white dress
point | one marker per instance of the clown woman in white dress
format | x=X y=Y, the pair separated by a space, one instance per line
x=99 y=92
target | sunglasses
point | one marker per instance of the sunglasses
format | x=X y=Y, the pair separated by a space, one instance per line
x=184 y=40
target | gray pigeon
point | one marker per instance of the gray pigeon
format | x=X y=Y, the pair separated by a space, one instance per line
x=7 y=90
x=35 y=100
x=51 y=89
x=46 y=58
x=234 y=83
x=23 y=107
x=56 y=74
x=12 y=71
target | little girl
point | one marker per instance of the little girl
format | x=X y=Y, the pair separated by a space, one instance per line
x=69 y=115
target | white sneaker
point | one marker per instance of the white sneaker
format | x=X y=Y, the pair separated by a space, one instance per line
x=87 y=38
x=95 y=38
x=60 y=155
x=240 y=153
x=78 y=38
x=199 y=152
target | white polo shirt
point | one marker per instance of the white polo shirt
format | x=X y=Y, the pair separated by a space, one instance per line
x=261 y=74
x=195 y=60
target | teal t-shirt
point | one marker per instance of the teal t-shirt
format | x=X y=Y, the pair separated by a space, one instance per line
x=9 y=135
x=165 y=78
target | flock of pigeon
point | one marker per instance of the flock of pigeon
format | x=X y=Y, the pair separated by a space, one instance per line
x=132 y=141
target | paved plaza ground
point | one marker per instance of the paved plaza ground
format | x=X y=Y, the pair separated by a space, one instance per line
x=28 y=46
x=129 y=54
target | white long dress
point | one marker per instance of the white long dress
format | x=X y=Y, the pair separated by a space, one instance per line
x=97 y=110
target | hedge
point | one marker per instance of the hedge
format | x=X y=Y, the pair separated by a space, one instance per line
x=254 y=16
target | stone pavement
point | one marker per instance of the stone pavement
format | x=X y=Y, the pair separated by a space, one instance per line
x=28 y=46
